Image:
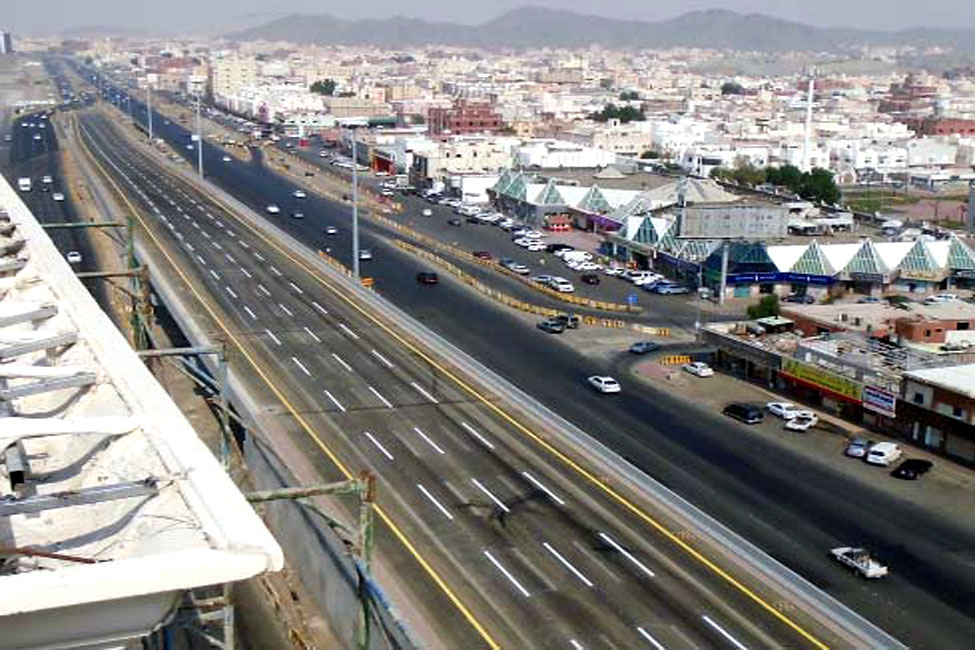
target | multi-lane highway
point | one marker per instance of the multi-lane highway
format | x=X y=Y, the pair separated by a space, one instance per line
x=539 y=553
x=789 y=506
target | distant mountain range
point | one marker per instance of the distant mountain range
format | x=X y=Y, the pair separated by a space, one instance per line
x=532 y=27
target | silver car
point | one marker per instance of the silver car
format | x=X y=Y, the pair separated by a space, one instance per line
x=858 y=447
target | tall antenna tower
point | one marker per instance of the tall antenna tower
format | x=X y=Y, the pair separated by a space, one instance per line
x=807 y=134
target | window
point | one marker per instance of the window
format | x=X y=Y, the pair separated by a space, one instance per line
x=918 y=398
x=962 y=326
x=958 y=412
x=927 y=333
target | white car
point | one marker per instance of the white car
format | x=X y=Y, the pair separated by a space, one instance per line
x=699 y=369
x=784 y=410
x=646 y=278
x=520 y=269
x=57 y=196
x=561 y=285
x=614 y=270
x=802 y=421
x=299 y=194
x=589 y=266
x=273 y=209
x=47 y=180
x=536 y=247
x=331 y=230
x=365 y=254
x=604 y=384
x=427 y=212
x=73 y=257
x=533 y=234
x=523 y=242
x=226 y=158
x=940 y=297
x=636 y=276
x=884 y=453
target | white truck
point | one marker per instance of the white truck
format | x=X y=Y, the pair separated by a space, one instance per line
x=23 y=184
x=860 y=560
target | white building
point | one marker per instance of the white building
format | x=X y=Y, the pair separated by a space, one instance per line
x=553 y=154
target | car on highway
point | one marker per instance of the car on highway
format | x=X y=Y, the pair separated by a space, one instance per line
x=858 y=447
x=644 y=347
x=454 y=221
x=365 y=254
x=883 y=453
x=746 y=413
x=802 y=421
x=520 y=269
x=189 y=146
x=73 y=257
x=58 y=196
x=860 y=560
x=427 y=277
x=273 y=209
x=331 y=230
x=226 y=158
x=299 y=194
x=47 y=180
x=784 y=410
x=551 y=326
x=427 y=212
x=604 y=384
x=297 y=215
x=37 y=136
x=670 y=289
x=589 y=278
x=912 y=469
x=561 y=285
x=698 y=369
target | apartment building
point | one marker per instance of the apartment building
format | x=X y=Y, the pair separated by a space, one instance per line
x=937 y=409
x=464 y=117
x=230 y=75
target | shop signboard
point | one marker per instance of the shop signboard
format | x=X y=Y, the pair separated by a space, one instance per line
x=820 y=377
x=880 y=401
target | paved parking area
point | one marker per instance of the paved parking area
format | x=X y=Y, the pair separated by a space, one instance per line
x=948 y=489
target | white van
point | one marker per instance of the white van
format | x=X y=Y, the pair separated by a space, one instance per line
x=884 y=453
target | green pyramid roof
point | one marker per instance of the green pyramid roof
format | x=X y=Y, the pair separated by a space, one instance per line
x=813 y=262
x=919 y=258
x=594 y=201
x=503 y=181
x=960 y=256
x=867 y=261
x=550 y=195
x=646 y=233
x=517 y=188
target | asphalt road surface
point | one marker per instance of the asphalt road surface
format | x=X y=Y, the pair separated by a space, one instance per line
x=793 y=508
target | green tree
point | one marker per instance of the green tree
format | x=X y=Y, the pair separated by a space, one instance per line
x=787 y=176
x=732 y=88
x=324 y=87
x=650 y=154
x=629 y=95
x=622 y=113
x=818 y=185
x=767 y=306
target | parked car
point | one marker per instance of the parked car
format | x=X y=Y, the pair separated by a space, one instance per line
x=699 y=369
x=800 y=298
x=520 y=269
x=427 y=277
x=747 y=413
x=589 y=278
x=571 y=321
x=551 y=326
x=912 y=469
x=884 y=453
x=858 y=447
x=505 y=262
x=670 y=289
x=604 y=384
x=784 y=410
x=869 y=300
x=454 y=221
x=803 y=421
x=552 y=248
x=541 y=279
x=614 y=270
x=562 y=285
x=643 y=347
x=482 y=255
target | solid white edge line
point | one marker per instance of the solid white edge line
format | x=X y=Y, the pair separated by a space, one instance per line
x=646 y=635
x=426 y=493
x=337 y=403
x=301 y=365
x=506 y=574
x=568 y=565
x=498 y=502
x=629 y=556
x=380 y=396
x=725 y=633
x=429 y=441
x=383 y=359
x=544 y=489
x=342 y=362
x=420 y=390
x=378 y=445
x=484 y=441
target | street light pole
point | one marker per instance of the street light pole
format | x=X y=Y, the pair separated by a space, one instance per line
x=199 y=134
x=355 y=209
x=149 y=107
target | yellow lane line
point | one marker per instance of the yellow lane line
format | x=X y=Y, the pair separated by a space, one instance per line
x=616 y=496
x=304 y=424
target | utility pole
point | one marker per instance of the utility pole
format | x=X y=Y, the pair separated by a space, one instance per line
x=809 y=115
x=149 y=106
x=199 y=134
x=355 y=209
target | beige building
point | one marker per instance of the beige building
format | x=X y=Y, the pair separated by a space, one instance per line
x=231 y=75
x=461 y=155
x=355 y=107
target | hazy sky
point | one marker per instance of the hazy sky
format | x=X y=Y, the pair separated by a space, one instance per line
x=47 y=16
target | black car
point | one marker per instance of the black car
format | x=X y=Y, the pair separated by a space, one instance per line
x=455 y=222
x=551 y=326
x=427 y=277
x=551 y=248
x=912 y=469
x=801 y=298
x=473 y=219
x=747 y=413
x=590 y=278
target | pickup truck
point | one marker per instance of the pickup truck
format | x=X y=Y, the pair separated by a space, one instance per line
x=860 y=560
